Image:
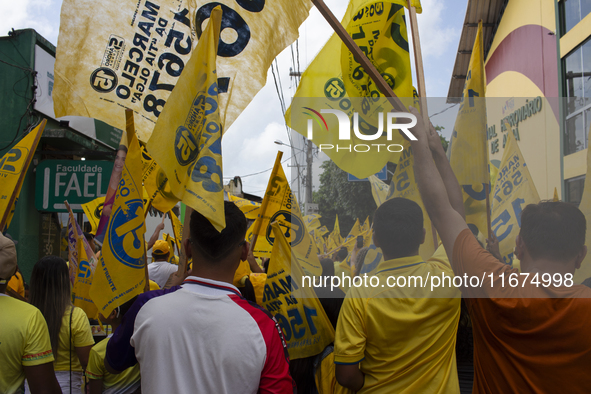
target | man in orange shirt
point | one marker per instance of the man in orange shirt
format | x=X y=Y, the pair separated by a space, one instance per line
x=530 y=334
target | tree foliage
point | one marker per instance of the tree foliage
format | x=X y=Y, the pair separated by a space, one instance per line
x=336 y=195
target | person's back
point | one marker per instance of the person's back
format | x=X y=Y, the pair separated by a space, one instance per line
x=527 y=333
x=399 y=332
x=24 y=341
x=205 y=337
x=531 y=327
x=228 y=340
x=160 y=269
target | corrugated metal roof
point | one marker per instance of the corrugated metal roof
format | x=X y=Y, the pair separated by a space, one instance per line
x=490 y=12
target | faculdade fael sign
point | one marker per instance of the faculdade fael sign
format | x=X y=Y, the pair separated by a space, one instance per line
x=76 y=181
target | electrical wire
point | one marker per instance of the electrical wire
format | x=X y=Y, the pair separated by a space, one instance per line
x=440 y=112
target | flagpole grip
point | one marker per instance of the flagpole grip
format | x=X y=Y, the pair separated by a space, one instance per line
x=265 y=202
x=369 y=68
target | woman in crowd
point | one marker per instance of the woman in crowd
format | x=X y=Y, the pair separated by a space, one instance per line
x=69 y=329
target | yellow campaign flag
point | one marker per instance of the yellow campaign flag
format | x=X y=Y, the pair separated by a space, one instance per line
x=13 y=169
x=131 y=54
x=469 y=156
x=468 y=153
x=514 y=190
x=379 y=190
x=404 y=185
x=82 y=263
x=296 y=308
x=312 y=221
x=282 y=205
x=170 y=241
x=120 y=272
x=355 y=231
x=187 y=139
x=250 y=209
x=365 y=226
x=156 y=184
x=177 y=230
x=556 y=198
x=93 y=211
x=334 y=77
x=334 y=238
x=318 y=241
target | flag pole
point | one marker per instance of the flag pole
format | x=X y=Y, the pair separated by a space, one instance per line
x=183 y=253
x=416 y=44
x=265 y=202
x=21 y=177
x=367 y=65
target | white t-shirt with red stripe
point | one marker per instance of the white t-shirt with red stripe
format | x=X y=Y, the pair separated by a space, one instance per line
x=206 y=338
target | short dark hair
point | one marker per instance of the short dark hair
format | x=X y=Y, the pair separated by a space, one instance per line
x=398 y=227
x=342 y=253
x=215 y=245
x=553 y=229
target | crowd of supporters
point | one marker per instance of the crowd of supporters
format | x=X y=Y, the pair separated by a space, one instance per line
x=205 y=332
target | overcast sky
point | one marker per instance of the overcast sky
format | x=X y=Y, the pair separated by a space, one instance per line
x=248 y=145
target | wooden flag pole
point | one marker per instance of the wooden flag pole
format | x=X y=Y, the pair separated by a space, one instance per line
x=265 y=202
x=416 y=44
x=21 y=177
x=367 y=65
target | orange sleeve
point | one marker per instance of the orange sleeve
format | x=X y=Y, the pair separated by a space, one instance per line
x=471 y=261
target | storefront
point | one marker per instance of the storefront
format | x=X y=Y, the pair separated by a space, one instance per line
x=74 y=157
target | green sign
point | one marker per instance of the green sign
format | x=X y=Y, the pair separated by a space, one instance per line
x=76 y=181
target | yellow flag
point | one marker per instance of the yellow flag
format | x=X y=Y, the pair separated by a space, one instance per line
x=120 y=271
x=93 y=211
x=177 y=230
x=282 y=205
x=365 y=226
x=187 y=139
x=82 y=262
x=156 y=184
x=250 y=209
x=312 y=221
x=404 y=185
x=469 y=156
x=514 y=190
x=355 y=231
x=379 y=190
x=294 y=304
x=131 y=54
x=556 y=198
x=13 y=169
x=379 y=29
x=334 y=238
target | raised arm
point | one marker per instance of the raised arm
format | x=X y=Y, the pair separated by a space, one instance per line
x=448 y=222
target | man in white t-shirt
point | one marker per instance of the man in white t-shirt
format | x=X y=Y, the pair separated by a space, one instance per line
x=204 y=337
x=160 y=269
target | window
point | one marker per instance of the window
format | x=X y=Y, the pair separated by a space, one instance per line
x=577 y=85
x=572 y=12
x=574 y=189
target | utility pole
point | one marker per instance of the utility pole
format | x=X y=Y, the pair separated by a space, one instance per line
x=309 y=160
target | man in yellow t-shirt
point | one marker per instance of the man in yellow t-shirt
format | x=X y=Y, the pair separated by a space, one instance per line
x=397 y=336
x=25 y=349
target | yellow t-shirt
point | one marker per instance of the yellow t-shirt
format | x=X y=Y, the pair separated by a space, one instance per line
x=96 y=370
x=403 y=338
x=24 y=341
x=81 y=336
